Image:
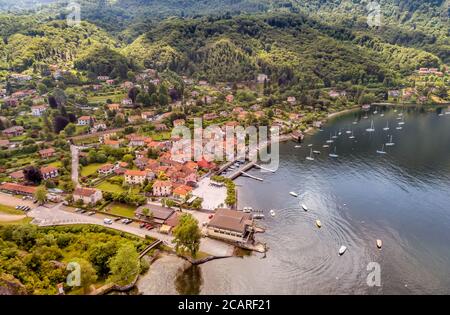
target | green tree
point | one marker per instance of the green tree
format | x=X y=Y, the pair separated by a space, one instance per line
x=40 y=195
x=125 y=265
x=88 y=275
x=187 y=235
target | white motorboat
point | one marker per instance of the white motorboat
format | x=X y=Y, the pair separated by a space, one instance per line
x=342 y=250
x=304 y=207
x=335 y=136
x=387 y=127
x=318 y=223
x=310 y=145
x=272 y=213
x=352 y=136
x=325 y=146
x=293 y=194
x=399 y=128
x=316 y=152
x=298 y=146
x=379 y=244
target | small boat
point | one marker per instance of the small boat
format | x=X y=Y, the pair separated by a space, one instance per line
x=381 y=151
x=342 y=250
x=333 y=155
x=381 y=115
x=372 y=128
x=293 y=194
x=366 y=117
x=316 y=152
x=340 y=132
x=318 y=223
x=246 y=209
x=348 y=132
x=298 y=146
x=258 y=216
x=399 y=128
x=310 y=157
x=375 y=112
x=379 y=243
x=355 y=122
x=395 y=110
x=304 y=207
x=310 y=145
x=272 y=213
x=390 y=143
x=387 y=126
x=326 y=146
x=335 y=136
x=401 y=122
x=330 y=140
x=440 y=114
x=447 y=113
x=250 y=209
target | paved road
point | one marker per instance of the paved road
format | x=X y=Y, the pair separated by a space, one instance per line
x=11 y=201
x=60 y=215
x=75 y=159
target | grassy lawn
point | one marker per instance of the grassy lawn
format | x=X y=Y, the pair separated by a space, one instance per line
x=56 y=164
x=23 y=221
x=165 y=135
x=115 y=98
x=90 y=169
x=112 y=188
x=121 y=209
x=9 y=210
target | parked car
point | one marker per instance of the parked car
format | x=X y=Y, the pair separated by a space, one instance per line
x=142 y=225
x=210 y=216
x=91 y=213
x=83 y=211
x=107 y=221
x=78 y=210
x=116 y=219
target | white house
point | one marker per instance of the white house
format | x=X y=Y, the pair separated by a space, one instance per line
x=162 y=188
x=38 y=110
x=49 y=172
x=84 y=120
x=134 y=177
x=87 y=195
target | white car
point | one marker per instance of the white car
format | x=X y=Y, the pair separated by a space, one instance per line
x=107 y=221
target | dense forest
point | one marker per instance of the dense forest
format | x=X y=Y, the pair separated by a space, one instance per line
x=310 y=43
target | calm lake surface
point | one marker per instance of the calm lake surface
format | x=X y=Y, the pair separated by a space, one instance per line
x=401 y=197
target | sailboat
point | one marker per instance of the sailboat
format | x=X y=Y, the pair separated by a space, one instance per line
x=390 y=143
x=382 y=150
x=310 y=157
x=335 y=135
x=352 y=136
x=330 y=140
x=340 y=132
x=372 y=128
x=333 y=155
x=387 y=126
x=401 y=122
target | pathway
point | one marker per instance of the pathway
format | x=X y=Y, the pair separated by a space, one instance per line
x=75 y=162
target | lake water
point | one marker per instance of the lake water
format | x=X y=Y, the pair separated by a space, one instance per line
x=401 y=197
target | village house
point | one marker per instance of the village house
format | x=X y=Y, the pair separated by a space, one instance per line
x=162 y=188
x=135 y=177
x=14 y=131
x=137 y=141
x=210 y=116
x=4 y=144
x=159 y=214
x=161 y=127
x=17 y=189
x=47 y=153
x=127 y=101
x=178 y=122
x=112 y=143
x=98 y=127
x=87 y=195
x=11 y=102
x=106 y=169
x=113 y=107
x=229 y=98
x=195 y=94
x=147 y=115
x=17 y=175
x=291 y=100
x=262 y=77
x=182 y=192
x=102 y=78
x=20 y=77
x=231 y=225
x=127 y=85
x=203 y=83
x=49 y=172
x=85 y=120
x=38 y=110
